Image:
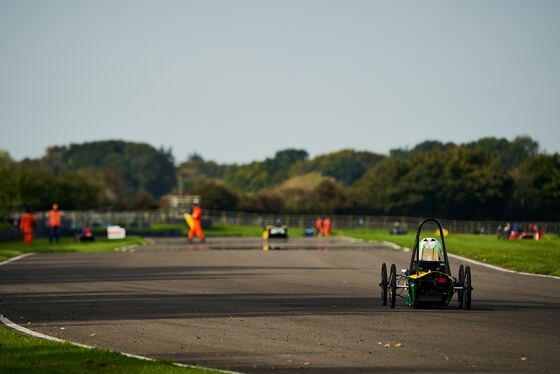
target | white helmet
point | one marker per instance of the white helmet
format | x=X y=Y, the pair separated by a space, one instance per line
x=430 y=249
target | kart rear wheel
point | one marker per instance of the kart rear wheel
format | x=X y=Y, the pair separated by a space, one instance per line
x=393 y=284
x=383 y=284
x=468 y=287
x=461 y=282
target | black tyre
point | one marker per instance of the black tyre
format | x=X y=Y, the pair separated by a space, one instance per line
x=393 y=284
x=383 y=284
x=461 y=282
x=468 y=287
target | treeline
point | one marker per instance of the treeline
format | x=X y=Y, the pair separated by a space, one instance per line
x=107 y=174
x=511 y=154
x=346 y=167
x=488 y=179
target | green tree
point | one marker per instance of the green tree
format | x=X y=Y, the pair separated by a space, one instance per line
x=277 y=168
x=251 y=177
x=196 y=171
x=457 y=183
x=476 y=185
x=259 y=175
x=144 y=168
x=537 y=188
x=346 y=165
x=37 y=187
x=217 y=196
x=268 y=202
x=72 y=190
x=425 y=146
x=511 y=154
x=5 y=159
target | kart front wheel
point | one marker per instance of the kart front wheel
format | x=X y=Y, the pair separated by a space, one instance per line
x=383 y=284
x=468 y=287
x=461 y=282
x=393 y=284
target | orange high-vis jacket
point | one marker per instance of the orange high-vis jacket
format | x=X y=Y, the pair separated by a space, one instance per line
x=327 y=226
x=27 y=223
x=54 y=218
x=319 y=225
x=197 y=227
x=196 y=213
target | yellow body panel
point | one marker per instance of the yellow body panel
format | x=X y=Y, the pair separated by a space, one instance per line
x=416 y=276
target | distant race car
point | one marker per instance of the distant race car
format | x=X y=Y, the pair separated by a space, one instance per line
x=275 y=231
x=428 y=280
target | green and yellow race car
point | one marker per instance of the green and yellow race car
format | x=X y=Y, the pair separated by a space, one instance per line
x=428 y=280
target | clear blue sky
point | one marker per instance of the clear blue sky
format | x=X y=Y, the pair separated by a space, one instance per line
x=238 y=80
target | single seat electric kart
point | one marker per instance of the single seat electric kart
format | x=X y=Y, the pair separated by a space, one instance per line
x=278 y=230
x=428 y=280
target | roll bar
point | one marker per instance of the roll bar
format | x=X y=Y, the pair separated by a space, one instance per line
x=416 y=252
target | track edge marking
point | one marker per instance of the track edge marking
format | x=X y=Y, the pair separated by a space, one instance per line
x=14 y=326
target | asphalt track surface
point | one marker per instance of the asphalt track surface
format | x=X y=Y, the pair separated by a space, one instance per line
x=310 y=305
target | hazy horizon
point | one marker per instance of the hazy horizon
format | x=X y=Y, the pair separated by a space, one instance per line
x=237 y=81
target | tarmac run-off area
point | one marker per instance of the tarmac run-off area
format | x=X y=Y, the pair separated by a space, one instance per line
x=305 y=304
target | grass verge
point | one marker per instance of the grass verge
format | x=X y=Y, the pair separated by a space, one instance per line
x=531 y=256
x=22 y=354
x=101 y=244
x=221 y=230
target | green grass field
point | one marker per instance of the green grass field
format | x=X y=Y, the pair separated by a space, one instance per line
x=101 y=244
x=532 y=256
x=22 y=354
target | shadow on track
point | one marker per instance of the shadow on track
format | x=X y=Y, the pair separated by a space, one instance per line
x=48 y=274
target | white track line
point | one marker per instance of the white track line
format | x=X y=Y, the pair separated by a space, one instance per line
x=14 y=326
x=500 y=268
x=16 y=258
x=127 y=248
x=396 y=246
x=34 y=334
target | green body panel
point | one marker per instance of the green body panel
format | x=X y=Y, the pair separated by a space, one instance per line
x=449 y=293
x=412 y=292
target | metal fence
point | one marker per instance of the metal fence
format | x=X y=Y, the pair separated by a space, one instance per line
x=74 y=220
x=373 y=222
